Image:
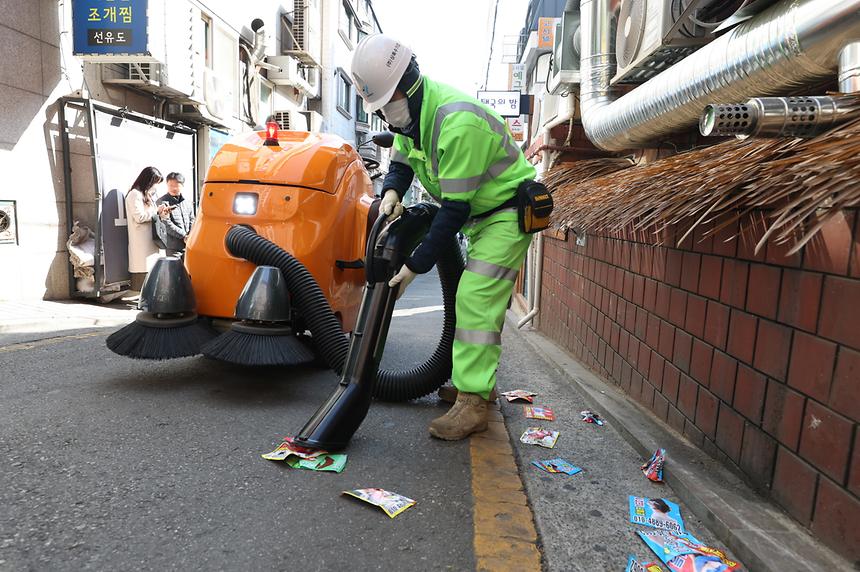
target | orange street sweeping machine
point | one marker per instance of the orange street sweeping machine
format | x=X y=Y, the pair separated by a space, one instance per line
x=309 y=193
x=278 y=257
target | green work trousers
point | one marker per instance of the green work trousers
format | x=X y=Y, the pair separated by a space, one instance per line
x=496 y=251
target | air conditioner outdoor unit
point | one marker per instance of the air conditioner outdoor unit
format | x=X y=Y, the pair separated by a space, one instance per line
x=307 y=27
x=291 y=120
x=565 y=56
x=294 y=73
x=653 y=35
x=217 y=106
x=315 y=121
x=131 y=74
x=175 y=74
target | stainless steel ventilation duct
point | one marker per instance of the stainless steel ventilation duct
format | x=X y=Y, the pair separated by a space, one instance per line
x=781 y=49
x=849 y=68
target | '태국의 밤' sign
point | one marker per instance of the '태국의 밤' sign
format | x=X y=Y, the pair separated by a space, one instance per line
x=505 y=103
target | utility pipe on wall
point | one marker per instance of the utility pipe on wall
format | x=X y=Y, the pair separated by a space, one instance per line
x=535 y=258
x=781 y=49
x=849 y=68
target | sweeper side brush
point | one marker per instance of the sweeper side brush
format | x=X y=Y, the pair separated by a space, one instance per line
x=168 y=326
x=262 y=336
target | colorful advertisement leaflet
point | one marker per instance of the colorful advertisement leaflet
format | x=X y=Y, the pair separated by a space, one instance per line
x=392 y=503
x=539 y=436
x=656 y=513
x=687 y=554
x=634 y=566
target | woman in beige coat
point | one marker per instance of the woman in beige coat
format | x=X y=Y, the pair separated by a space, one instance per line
x=141 y=210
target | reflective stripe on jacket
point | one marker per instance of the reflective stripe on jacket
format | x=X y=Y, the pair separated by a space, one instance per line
x=467 y=151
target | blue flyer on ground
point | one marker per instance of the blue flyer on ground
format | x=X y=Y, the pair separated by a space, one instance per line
x=686 y=554
x=558 y=465
x=656 y=513
x=667 y=546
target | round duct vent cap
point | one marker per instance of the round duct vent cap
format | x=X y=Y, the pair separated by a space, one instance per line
x=631 y=26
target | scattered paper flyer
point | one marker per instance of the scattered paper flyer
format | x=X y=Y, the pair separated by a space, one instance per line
x=558 y=465
x=537 y=412
x=539 y=436
x=634 y=566
x=298 y=457
x=288 y=449
x=392 y=503
x=591 y=417
x=653 y=469
x=656 y=513
x=684 y=553
x=327 y=462
x=519 y=394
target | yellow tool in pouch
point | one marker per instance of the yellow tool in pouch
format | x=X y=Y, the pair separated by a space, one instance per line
x=534 y=205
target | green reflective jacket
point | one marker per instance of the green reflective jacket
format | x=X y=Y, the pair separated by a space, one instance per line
x=467 y=150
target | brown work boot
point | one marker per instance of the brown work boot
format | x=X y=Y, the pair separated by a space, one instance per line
x=468 y=415
x=448 y=394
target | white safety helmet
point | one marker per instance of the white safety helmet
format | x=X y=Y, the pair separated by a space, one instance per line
x=378 y=65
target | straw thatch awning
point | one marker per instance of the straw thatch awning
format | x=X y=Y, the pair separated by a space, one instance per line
x=802 y=183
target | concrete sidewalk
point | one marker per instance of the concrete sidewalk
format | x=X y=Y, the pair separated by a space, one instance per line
x=756 y=531
x=37 y=316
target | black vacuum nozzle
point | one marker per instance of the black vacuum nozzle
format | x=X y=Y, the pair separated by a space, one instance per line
x=333 y=424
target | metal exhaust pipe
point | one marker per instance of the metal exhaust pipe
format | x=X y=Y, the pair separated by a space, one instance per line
x=778 y=116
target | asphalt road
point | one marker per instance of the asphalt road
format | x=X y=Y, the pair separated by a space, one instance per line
x=112 y=464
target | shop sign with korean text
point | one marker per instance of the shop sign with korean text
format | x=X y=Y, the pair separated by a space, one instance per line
x=518 y=76
x=505 y=103
x=546 y=32
x=109 y=27
x=517 y=128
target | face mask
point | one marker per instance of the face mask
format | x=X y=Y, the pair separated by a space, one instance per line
x=396 y=112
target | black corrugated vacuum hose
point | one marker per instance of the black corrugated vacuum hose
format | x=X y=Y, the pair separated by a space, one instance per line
x=328 y=335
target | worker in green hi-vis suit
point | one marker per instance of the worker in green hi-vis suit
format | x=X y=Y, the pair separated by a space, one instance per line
x=465 y=156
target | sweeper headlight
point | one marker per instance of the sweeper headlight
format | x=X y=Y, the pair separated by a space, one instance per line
x=245 y=203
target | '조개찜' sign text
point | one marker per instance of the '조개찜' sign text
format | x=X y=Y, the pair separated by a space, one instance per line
x=109 y=27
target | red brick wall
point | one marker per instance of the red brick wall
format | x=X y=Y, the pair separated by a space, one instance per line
x=754 y=358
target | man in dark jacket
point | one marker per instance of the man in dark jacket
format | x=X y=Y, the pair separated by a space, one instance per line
x=178 y=220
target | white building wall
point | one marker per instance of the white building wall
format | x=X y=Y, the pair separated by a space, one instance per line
x=337 y=55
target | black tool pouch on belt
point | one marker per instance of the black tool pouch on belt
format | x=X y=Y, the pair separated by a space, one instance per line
x=534 y=205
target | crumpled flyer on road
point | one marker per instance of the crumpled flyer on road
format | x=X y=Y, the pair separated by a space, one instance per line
x=656 y=513
x=635 y=566
x=334 y=462
x=392 y=503
x=590 y=416
x=288 y=448
x=298 y=457
x=519 y=394
x=538 y=412
x=685 y=553
x=557 y=465
x=539 y=436
x=653 y=469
